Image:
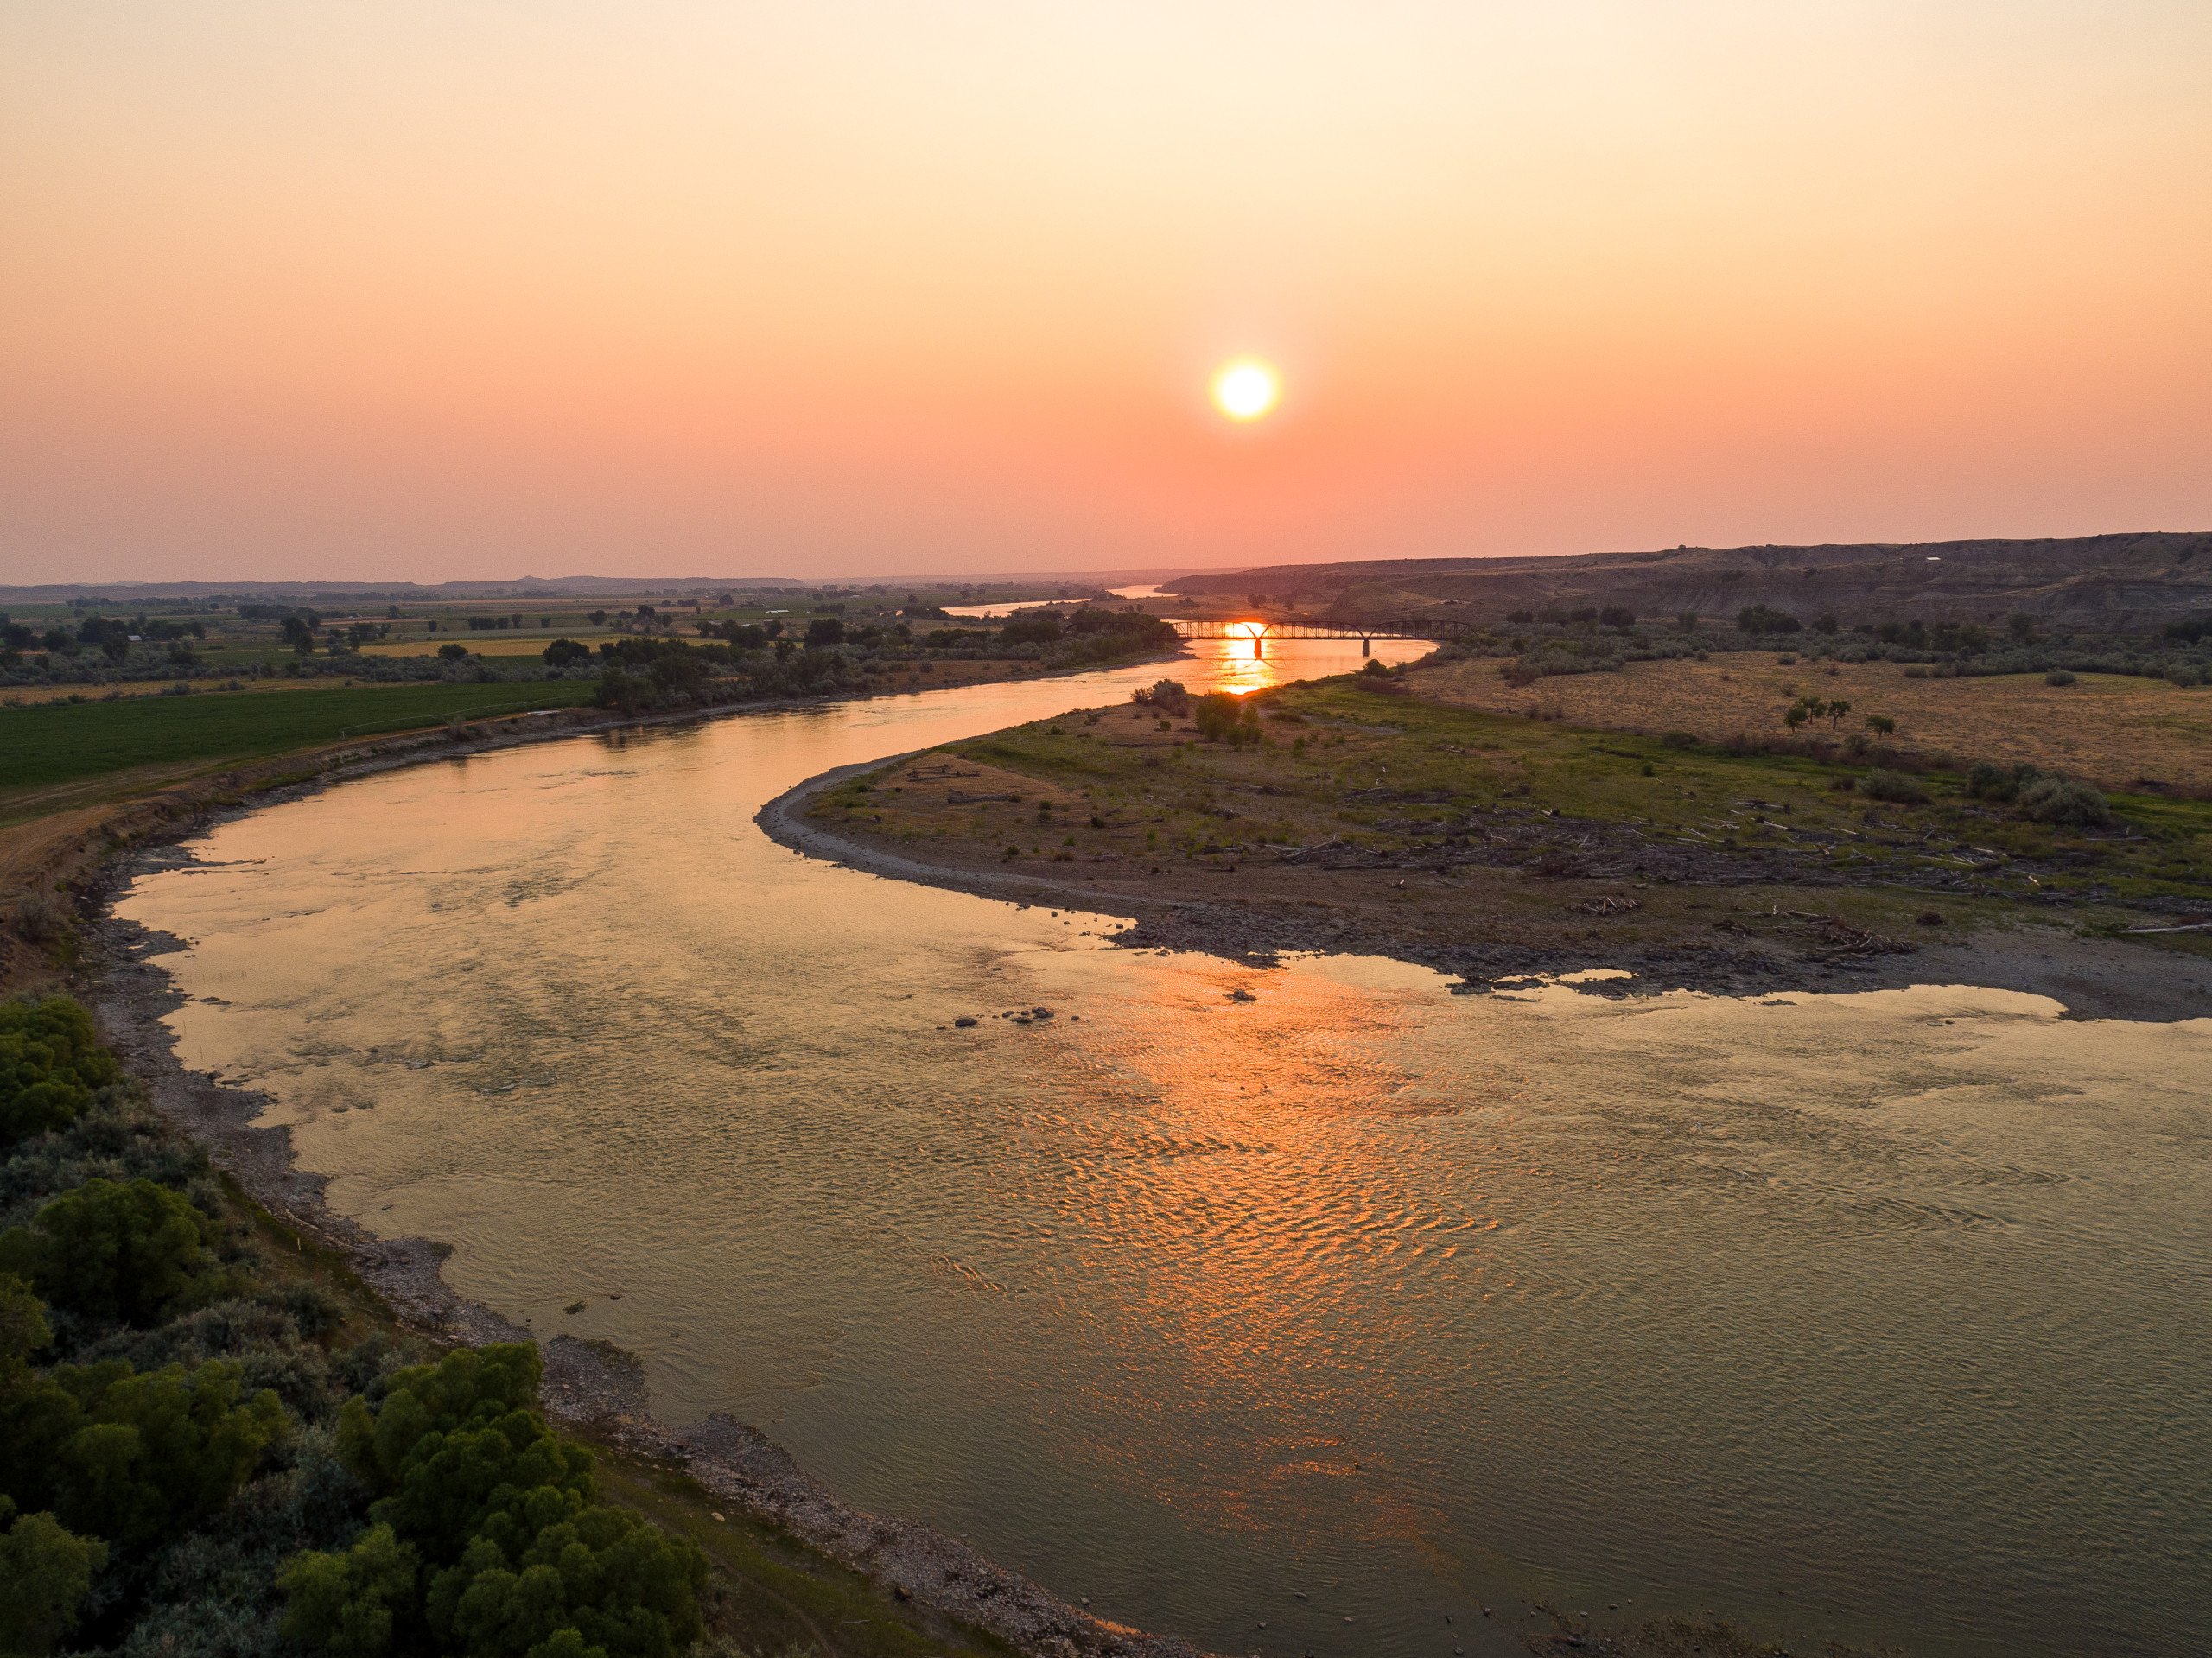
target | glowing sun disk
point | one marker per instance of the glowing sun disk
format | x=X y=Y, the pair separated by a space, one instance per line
x=1246 y=388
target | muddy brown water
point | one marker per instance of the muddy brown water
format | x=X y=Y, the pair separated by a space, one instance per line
x=1344 y=1311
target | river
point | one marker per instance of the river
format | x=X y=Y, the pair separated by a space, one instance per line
x=1300 y=1323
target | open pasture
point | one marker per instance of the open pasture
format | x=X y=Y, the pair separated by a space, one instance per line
x=2117 y=732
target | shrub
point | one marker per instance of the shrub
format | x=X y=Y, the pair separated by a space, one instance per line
x=1881 y=784
x=45 y=1571
x=1985 y=781
x=2064 y=800
x=1679 y=739
x=111 y=1249
x=50 y=1062
x=1168 y=695
x=1225 y=718
x=2058 y=677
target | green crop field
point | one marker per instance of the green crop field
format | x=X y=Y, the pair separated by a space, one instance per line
x=60 y=742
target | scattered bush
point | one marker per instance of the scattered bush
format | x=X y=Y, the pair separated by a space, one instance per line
x=2058 y=677
x=1882 y=784
x=2064 y=801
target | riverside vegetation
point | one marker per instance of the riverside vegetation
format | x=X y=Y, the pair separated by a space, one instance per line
x=214 y=1440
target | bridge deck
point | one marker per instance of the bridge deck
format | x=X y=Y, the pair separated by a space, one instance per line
x=1256 y=630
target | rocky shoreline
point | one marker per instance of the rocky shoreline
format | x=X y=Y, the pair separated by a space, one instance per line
x=2091 y=978
x=592 y=1386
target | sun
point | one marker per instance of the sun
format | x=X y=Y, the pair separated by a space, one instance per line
x=1245 y=388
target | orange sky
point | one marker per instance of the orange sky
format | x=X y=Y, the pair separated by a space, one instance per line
x=477 y=287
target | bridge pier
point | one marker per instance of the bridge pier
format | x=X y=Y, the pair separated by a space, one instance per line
x=1363 y=644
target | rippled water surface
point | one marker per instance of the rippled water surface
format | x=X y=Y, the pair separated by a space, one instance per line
x=1880 y=1317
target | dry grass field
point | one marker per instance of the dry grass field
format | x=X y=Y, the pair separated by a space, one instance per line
x=2115 y=731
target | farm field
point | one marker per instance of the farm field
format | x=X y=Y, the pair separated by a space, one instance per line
x=56 y=744
x=32 y=695
x=502 y=644
x=2115 y=730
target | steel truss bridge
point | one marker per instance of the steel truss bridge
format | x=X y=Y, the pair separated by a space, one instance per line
x=1260 y=633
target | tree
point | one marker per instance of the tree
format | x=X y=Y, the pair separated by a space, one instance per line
x=23 y=1329
x=562 y=653
x=1804 y=708
x=50 y=1062
x=1837 y=708
x=1687 y=621
x=1759 y=618
x=824 y=630
x=354 y=1603
x=45 y=1571
x=133 y=1458
x=453 y=651
x=299 y=632
x=552 y=1563
x=1880 y=724
x=110 y=1249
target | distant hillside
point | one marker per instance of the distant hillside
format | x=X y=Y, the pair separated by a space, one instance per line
x=2115 y=583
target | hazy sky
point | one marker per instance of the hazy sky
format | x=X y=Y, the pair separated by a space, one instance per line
x=486 y=287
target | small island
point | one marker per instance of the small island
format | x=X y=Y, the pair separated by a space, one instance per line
x=1444 y=814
